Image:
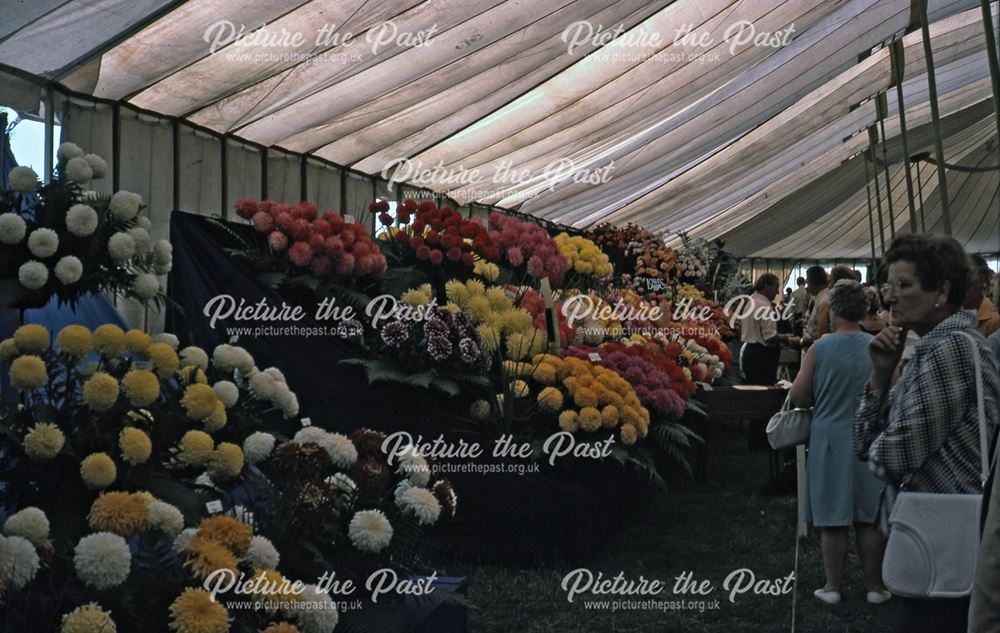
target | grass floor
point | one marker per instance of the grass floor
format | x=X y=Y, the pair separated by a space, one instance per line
x=710 y=530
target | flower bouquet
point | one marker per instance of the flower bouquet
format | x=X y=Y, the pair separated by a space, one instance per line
x=587 y=266
x=60 y=240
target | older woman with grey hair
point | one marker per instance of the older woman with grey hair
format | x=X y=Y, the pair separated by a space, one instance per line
x=840 y=489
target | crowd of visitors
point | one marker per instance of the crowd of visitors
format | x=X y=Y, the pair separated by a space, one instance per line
x=889 y=370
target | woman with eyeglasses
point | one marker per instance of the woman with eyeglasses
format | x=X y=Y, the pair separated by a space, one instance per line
x=922 y=433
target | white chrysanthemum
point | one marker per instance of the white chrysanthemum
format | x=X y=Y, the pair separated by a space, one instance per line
x=68 y=150
x=12 y=228
x=262 y=553
x=166 y=518
x=102 y=560
x=30 y=523
x=121 y=246
x=291 y=407
x=184 y=538
x=68 y=269
x=143 y=223
x=166 y=337
x=275 y=373
x=18 y=561
x=282 y=397
x=81 y=220
x=142 y=240
x=229 y=357
x=263 y=385
x=43 y=243
x=257 y=447
x=313 y=435
x=204 y=480
x=421 y=503
x=415 y=468
x=78 y=170
x=146 y=286
x=342 y=482
x=124 y=205
x=227 y=392
x=97 y=165
x=342 y=451
x=370 y=531
x=163 y=252
x=318 y=612
x=193 y=355
x=23 y=179
x=33 y=275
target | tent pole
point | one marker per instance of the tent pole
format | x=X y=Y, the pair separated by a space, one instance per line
x=175 y=141
x=116 y=147
x=224 y=164
x=343 y=192
x=303 y=178
x=881 y=101
x=871 y=220
x=920 y=192
x=896 y=59
x=935 y=118
x=50 y=127
x=992 y=53
x=870 y=155
x=263 y=173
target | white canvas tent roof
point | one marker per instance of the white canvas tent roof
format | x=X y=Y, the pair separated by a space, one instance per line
x=756 y=145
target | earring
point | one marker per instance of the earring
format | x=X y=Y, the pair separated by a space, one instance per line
x=937 y=305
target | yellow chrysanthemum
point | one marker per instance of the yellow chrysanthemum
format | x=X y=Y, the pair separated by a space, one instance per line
x=43 y=441
x=520 y=389
x=479 y=410
x=515 y=368
x=487 y=270
x=194 y=611
x=135 y=445
x=568 y=421
x=196 y=447
x=584 y=397
x=8 y=350
x=456 y=291
x=544 y=374
x=205 y=556
x=217 y=419
x=100 y=392
x=109 y=340
x=550 y=399
x=88 y=618
x=498 y=299
x=141 y=386
x=418 y=296
x=164 y=359
x=75 y=341
x=229 y=531
x=272 y=585
x=281 y=627
x=121 y=513
x=137 y=342
x=628 y=434
x=643 y=428
x=199 y=401
x=489 y=336
x=590 y=419
x=478 y=309
x=98 y=470
x=31 y=338
x=192 y=374
x=609 y=416
x=28 y=372
x=226 y=462
x=518 y=320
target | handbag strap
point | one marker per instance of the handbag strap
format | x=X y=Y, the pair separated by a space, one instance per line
x=980 y=407
x=981 y=414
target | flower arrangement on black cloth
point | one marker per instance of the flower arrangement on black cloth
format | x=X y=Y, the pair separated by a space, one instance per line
x=59 y=240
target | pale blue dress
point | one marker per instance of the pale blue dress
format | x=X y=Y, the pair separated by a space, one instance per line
x=840 y=488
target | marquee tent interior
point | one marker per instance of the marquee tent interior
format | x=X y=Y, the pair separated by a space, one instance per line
x=763 y=146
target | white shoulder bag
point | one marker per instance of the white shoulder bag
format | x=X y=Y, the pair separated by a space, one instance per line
x=934 y=538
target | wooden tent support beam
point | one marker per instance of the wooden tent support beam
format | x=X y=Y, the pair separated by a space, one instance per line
x=871 y=220
x=50 y=128
x=896 y=60
x=935 y=117
x=920 y=192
